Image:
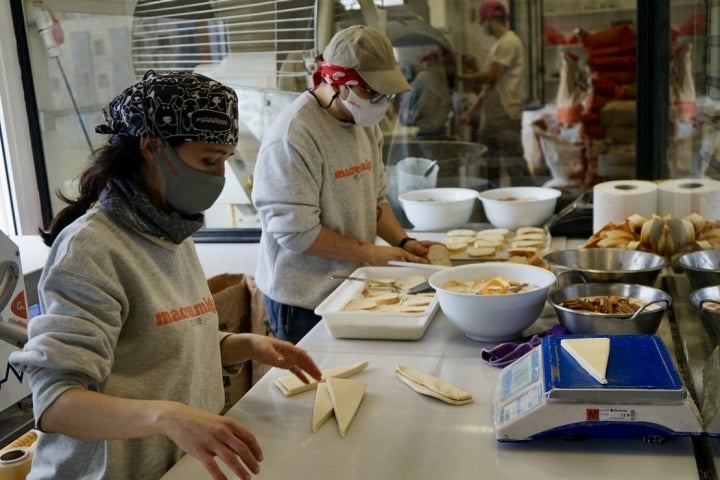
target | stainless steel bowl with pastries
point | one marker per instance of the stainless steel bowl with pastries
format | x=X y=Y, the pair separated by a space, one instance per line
x=609 y=308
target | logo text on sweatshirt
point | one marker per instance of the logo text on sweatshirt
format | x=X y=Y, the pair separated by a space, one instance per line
x=207 y=305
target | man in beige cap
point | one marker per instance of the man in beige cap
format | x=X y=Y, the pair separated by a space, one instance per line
x=319 y=184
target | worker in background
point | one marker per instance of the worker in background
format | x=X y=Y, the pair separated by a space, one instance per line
x=501 y=99
x=428 y=105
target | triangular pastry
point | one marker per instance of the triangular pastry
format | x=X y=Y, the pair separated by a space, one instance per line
x=591 y=353
x=346 y=396
x=323 y=408
x=291 y=385
x=433 y=386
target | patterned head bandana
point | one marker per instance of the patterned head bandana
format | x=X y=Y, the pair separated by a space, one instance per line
x=175 y=105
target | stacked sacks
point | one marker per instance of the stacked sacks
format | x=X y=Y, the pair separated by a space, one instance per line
x=611 y=60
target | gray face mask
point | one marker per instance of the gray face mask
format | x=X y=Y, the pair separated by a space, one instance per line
x=187 y=190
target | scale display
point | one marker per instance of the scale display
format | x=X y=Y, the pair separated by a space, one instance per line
x=546 y=392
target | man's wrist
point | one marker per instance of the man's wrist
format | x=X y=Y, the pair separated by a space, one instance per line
x=401 y=243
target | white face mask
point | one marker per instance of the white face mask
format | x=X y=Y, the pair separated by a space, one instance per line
x=364 y=112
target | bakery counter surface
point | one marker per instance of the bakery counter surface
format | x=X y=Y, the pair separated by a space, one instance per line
x=399 y=434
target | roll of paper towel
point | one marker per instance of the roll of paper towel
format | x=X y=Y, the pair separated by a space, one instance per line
x=681 y=197
x=616 y=200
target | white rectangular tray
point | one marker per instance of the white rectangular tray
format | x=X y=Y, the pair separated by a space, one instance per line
x=374 y=325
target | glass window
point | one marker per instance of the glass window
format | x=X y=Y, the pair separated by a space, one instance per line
x=567 y=117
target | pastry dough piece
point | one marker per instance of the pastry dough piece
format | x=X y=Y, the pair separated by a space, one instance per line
x=432 y=386
x=591 y=353
x=346 y=396
x=323 y=408
x=291 y=385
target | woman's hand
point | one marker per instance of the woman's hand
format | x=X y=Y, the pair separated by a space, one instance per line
x=282 y=354
x=205 y=435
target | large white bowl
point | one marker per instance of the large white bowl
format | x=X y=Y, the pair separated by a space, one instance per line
x=515 y=207
x=493 y=318
x=438 y=208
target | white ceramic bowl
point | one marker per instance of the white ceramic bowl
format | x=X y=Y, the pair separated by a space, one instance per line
x=493 y=318
x=514 y=207
x=438 y=208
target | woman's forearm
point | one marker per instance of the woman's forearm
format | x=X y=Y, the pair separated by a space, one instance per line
x=88 y=415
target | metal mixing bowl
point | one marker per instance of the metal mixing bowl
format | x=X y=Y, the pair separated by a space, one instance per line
x=707 y=301
x=702 y=268
x=605 y=265
x=644 y=321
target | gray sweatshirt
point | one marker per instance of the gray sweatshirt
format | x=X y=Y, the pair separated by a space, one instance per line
x=128 y=315
x=313 y=170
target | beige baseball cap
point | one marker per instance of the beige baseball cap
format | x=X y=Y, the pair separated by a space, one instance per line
x=369 y=52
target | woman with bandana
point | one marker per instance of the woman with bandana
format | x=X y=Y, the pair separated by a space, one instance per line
x=319 y=183
x=125 y=362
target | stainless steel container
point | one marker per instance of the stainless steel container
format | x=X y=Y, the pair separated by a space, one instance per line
x=644 y=321
x=702 y=268
x=604 y=265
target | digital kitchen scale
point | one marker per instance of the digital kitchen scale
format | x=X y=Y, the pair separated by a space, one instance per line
x=547 y=393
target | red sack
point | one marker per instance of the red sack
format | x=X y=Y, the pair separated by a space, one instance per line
x=619 y=35
x=624 y=62
x=618 y=77
x=612 y=50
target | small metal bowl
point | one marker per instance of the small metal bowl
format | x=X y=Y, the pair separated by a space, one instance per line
x=707 y=301
x=644 y=321
x=702 y=268
x=606 y=265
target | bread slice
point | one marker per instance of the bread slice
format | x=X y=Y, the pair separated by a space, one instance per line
x=461 y=232
x=481 y=251
x=408 y=282
x=522 y=251
x=439 y=255
x=387 y=299
x=524 y=230
x=360 y=304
